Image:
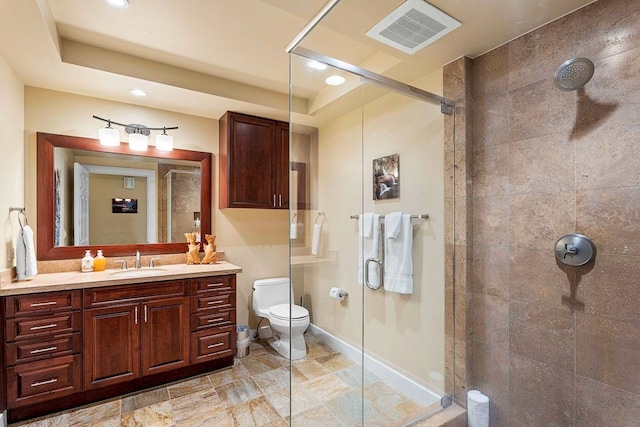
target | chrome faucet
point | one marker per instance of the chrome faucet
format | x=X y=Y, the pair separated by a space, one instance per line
x=138 y=261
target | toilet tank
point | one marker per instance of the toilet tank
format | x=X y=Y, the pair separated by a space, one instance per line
x=270 y=292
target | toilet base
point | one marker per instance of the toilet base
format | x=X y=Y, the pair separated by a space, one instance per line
x=293 y=349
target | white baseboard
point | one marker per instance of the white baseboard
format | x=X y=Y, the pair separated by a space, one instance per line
x=408 y=386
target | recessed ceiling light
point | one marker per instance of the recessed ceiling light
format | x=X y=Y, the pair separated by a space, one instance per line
x=121 y=4
x=315 y=65
x=138 y=92
x=334 y=80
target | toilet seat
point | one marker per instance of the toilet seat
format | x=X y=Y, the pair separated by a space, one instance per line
x=282 y=312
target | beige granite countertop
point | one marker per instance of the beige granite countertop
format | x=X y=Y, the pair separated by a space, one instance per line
x=76 y=280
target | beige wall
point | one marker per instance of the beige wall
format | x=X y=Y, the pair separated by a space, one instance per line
x=556 y=345
x=108 y=228
x=406 y=331
x=12 y=159
x=256 y=240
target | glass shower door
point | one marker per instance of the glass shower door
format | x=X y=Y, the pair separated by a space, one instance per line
x=374 y=191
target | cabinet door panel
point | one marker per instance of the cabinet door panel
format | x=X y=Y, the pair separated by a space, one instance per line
x=248 y=150
x=111 y=345
x=165 y=335
x=36 y=326
x=212 y=344
x=43 y=303
x=282 y=182
x=43 y=380
x=30 y=350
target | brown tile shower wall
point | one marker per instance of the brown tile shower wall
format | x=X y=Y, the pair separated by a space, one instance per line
x=553 y=345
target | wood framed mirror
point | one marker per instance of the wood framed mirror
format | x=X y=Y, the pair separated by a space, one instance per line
x=49 y=246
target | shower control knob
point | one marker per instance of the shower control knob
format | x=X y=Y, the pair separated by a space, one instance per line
x=575 y=250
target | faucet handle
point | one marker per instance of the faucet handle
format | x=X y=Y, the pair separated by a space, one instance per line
x=152 y=262
x=123 y=262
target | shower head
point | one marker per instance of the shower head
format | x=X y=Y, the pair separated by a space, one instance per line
x=573 y=73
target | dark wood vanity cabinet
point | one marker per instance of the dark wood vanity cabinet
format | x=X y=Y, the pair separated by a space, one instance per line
x=43 y=346
x=150 y=325
x=68 y=348
x=254 y=162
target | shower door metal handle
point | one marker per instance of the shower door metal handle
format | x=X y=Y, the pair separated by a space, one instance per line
x=380 y=275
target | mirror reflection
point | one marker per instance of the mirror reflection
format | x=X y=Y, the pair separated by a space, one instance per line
x=127 y=201
x=106 y=198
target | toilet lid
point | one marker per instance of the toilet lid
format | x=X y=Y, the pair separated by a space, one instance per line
x=281 y=311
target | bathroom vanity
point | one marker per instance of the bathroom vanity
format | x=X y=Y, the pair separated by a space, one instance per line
x=74 y=338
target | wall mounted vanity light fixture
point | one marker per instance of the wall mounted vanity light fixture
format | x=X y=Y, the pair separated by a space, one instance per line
x=138 y=134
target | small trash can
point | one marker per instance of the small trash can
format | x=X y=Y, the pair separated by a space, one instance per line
x=243 y=339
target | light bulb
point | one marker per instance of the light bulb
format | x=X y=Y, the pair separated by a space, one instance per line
x=109 y=137
x=164 y=142
x=138 y=142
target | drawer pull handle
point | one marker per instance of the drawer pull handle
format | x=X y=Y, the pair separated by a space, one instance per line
x=42 y=304
x=214 y=285
x=42 y=350
x=49 y=326
x=219 y=301
x=39 y=383
x=215 y=345
x=215 y=320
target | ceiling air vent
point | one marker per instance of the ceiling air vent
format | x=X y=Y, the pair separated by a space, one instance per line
x=412 y=26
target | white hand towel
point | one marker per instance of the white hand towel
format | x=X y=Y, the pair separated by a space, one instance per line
x=315 y=239
x=293 y=231
x=368 y=246
x=26 y=264
x=398 y=263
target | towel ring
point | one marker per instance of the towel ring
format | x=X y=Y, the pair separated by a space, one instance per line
x=26 y=221
x=320 y=217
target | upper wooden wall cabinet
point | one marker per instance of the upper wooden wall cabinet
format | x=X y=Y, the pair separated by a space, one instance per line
x=254 y=162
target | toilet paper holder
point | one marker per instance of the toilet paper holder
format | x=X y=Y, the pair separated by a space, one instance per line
x=338 y=294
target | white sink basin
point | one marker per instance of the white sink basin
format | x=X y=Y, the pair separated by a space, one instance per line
x=138 y=272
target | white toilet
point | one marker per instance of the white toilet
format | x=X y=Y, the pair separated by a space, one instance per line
x=271 y=300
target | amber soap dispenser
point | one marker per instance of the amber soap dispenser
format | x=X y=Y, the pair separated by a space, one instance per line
x=100 y=262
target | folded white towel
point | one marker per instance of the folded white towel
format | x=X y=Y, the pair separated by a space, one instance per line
x=367 y=224
x=368 y=247
x=293 y=231
x=26 y=263
x=315 y=239
x=398 y=263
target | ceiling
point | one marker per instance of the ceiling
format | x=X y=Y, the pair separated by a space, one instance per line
x=204 y=57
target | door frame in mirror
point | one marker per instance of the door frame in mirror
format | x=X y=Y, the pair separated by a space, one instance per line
x=46 y=189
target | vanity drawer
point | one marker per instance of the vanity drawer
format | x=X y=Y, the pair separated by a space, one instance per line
x=206 y=345
x=99 y=297
x=43 y=303
x=30 y=350
x=213 y=301
x=36 y=326
x=43 y=380
x=212 y=318
x=220 y=284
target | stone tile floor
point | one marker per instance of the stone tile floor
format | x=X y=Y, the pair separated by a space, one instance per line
x=326 y=389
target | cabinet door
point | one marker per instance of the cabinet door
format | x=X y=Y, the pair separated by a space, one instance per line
x=111 y=345
x=165 y=334
x=282 y=182
x=251 y=162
